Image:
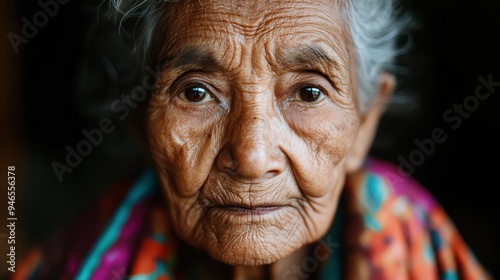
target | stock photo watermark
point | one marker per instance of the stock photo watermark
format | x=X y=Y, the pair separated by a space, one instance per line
x=453 y=118
x=94 y=137
x=321 y=253
x=31 y=27
x=11 y=218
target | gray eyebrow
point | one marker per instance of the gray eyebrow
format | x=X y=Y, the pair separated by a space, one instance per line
x=305 y=56
x=190 y=56
x=198 y=56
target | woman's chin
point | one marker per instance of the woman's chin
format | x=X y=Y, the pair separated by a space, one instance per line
x=245 y=260
x=254 y=250
x=241 y=237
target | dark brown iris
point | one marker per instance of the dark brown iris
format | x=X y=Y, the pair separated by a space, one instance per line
x=195 y=94
x=310 y=94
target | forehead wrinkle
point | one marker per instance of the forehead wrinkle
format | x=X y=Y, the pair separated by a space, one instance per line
x=231 y=40
x=252 y=74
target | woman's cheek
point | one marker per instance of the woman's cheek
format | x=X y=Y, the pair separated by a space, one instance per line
x=321 y=139
x=189 y=147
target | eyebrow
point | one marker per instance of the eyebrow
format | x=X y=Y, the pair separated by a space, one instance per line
x=197 y=56
x=190 y=56
x=304 y=56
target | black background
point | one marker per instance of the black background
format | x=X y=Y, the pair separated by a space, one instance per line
x=457 y=41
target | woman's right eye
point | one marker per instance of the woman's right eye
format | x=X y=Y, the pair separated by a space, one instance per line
x=196 y=94
x=310 y=94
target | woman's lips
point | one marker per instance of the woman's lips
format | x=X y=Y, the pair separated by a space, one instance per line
x=248 y=210
x=243 y=215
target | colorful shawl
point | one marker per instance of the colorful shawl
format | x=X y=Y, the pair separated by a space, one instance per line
x=387 y=227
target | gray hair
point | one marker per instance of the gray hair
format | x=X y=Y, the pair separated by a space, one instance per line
x=375 y=27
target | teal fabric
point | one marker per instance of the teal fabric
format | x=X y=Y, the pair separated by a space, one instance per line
x=143 y=187
x=332 y=268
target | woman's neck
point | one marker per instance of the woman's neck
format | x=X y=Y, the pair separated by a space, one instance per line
x=194 y=264
x=277 y=270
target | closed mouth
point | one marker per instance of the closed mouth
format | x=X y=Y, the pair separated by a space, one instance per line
x=248 y=210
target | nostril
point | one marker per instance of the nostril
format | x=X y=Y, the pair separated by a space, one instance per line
x=270 y=174
x=224 y=161
x=229 y=171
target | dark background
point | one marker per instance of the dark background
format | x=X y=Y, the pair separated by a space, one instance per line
x=457 y=41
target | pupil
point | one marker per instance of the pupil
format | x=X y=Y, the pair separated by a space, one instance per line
x=310 y=94
x=195 y=94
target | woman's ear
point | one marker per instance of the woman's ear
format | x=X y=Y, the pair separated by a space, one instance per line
x=369 y=122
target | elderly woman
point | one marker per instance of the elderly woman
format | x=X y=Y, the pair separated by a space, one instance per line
x=258 y=126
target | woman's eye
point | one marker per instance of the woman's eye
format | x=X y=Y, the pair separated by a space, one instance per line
x=196 y=94
x=310 y=94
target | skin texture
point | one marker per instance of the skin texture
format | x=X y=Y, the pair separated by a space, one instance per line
x=252 y=167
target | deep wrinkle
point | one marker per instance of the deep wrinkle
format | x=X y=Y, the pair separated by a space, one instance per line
x=268 y=146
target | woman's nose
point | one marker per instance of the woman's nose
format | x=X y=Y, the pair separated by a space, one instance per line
x=251 y=149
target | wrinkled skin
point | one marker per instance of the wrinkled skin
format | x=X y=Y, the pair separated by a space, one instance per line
x=253 y=124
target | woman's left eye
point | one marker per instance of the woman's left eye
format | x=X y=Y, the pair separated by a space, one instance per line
x=196 y=94
x=309 y=94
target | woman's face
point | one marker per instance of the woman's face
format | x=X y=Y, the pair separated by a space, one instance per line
x=251 y=123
